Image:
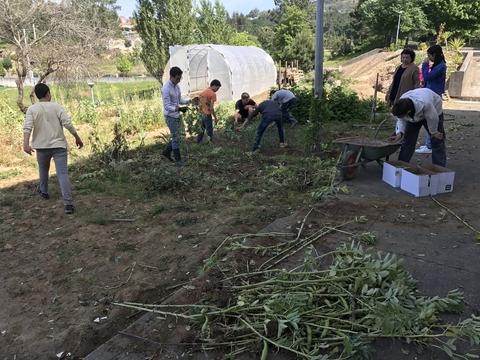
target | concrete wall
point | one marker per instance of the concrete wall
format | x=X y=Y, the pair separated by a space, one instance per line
x=465 y=83
x=457 y=80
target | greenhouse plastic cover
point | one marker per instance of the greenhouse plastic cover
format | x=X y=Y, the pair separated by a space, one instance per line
x=239 y=69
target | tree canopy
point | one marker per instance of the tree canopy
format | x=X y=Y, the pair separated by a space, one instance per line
x=161 y=24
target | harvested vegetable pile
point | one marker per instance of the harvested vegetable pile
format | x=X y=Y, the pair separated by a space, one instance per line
x=329 y=313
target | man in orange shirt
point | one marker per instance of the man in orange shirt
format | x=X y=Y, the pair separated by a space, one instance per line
x=207 y=100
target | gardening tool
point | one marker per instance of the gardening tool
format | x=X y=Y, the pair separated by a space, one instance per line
x=361 y=150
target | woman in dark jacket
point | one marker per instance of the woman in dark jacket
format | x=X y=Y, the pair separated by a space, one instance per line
x=405 y=78
x=434 y=78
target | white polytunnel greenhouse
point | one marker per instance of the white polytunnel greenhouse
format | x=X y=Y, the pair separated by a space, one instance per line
x=239 y=69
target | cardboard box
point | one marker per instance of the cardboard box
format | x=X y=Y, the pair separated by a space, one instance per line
x=392 y=172
x=418 y=181
x=445 y=177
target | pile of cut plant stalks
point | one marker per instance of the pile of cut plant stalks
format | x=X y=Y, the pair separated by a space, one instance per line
x=332 y=306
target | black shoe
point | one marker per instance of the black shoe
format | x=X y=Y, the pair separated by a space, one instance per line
x=43 y=195
x=69 y=209
x=178 y=157
x=168 y=152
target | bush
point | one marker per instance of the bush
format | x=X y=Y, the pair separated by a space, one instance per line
x=341 y=46
x=456 y=44
x=339 y=103
x=2 y=71
x=423 y=46
x=87 y=113
x=7 y=63
x=344 y=105
x=301 y=110
x=163 y=179
x=124 y=65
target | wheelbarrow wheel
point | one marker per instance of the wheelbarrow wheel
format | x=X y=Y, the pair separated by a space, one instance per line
x=349 y=166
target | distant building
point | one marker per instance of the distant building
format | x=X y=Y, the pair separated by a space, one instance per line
x=130 y=38
x=127 y=25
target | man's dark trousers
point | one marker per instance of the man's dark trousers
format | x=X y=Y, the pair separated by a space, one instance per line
x=264 y=125
x=286 y=111
x=207 y=124
x=439 y=149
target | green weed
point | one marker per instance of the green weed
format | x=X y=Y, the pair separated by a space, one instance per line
x=8 y=174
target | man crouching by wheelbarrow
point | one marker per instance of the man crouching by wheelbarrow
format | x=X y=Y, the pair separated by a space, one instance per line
x=417 y=108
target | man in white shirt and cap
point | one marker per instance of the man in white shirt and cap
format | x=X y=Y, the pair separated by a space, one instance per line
x=417 y=108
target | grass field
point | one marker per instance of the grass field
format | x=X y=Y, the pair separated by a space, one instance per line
x=103 y=91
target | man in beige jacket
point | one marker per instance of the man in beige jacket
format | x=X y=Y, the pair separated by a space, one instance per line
x=46 y=120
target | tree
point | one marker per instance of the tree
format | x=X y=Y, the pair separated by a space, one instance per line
x=161 y=24
x=302 y=4
x=379 y=18
x=212 y=23
x=460 y=17
x=294 y=37
x=266 y=36
x=243 y=39
x=47 y=36
x=124 y=65
x=302 y=49
x=254 y=13
x=238 y=21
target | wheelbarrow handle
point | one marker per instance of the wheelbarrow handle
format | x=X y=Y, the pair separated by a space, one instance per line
x=379 y=127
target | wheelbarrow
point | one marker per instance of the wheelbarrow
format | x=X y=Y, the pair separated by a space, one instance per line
x=362 y=150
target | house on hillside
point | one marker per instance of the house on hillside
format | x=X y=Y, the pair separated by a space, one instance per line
x=130 y=38
x=127 y=25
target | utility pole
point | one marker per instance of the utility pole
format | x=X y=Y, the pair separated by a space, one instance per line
x=398 y=26
x=319 y=50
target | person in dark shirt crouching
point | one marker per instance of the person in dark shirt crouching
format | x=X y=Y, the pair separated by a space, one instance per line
x=270 y=112
x=243 y=107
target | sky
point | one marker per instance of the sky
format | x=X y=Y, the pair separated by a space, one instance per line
x=128 y=6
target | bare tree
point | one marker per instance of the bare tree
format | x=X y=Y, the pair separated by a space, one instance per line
x=62 y=36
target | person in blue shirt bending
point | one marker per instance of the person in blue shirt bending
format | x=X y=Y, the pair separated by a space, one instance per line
x=434 y=78
x=271 y=112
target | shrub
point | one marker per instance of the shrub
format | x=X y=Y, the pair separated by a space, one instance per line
x=339 y=103
x=7 y=63
x=163 y=179
x=124 y=65
x=457 y=44
x=345 y=105
x=341 y=46
x=423 y=46
x=87 y=112
x=2 y=71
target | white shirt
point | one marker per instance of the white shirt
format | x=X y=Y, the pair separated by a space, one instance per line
x=47 y=120
x=282 y=96
x=428 y=106
x=172 y=97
